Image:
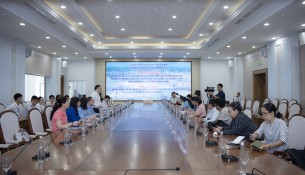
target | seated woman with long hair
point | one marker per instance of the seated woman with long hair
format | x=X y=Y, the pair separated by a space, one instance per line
x=72 y=112
x=85 y=111
x=58 y=115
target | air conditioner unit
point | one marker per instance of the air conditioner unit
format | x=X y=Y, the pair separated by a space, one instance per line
x=302 y=38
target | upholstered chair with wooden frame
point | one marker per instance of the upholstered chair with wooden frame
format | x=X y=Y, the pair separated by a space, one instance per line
x=243 y=103
x=276 y=102
x=248 y=104
x=293 y=110
x=255 y=107
x=2 y=107
x=35 y=123
x=47 y=115
x=283 y=108
x=248 y=112
x=284 y=101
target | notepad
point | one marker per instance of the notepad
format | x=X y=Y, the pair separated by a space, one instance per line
x=237 y=140
x=257 y=144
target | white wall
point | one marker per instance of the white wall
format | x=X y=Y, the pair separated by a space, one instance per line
x=83 y=70
x=39 y=64
x=251 y=62
x=218 y=71
x=12 y=68
x=52 y=83
x=283 y=69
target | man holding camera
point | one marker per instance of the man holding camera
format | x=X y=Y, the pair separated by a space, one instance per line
x=220 y=94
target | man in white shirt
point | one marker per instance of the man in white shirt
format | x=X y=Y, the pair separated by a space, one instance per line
x=105 y=104
x=213 y=113
x=51 y=101
x=32 y=104
x=97 y=98
x=17 y=106
x=174 y=98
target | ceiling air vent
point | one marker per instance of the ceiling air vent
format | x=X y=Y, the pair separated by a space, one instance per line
x=213 y=42
x=81 y=43
x=39 y=13
x=258 y=6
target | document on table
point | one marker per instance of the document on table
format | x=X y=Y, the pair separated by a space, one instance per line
x=237 y=140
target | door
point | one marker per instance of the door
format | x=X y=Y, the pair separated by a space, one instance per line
x=62 y=85
x=260 y=85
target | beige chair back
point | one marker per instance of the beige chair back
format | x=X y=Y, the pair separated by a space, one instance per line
x=9 y=125
x=294 y=109
x=296 y=131
x=2 y=107
x=275 y=102
x=283 y=109
x=48 y=115
x=248 y=104
x=35 y=120
x=255 y=107
x=242 y=103
x=248 y=113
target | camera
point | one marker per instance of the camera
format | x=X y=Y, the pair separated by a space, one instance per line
x=209 y=89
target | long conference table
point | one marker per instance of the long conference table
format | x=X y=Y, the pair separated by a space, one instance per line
x=140 y=138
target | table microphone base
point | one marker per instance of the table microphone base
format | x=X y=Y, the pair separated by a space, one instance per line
x=229 y=158
x=48 y=155
x=10 y=172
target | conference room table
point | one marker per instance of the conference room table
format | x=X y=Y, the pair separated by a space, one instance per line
x=140 y=138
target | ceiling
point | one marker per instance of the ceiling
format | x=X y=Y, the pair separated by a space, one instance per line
x=150 y=29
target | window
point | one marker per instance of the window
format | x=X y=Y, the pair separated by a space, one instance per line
x=77 y=88
x=34 y=85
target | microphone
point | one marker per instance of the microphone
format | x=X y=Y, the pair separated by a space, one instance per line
x=48 y=154
x=252 y=173
x=229 y=158
x=22 y=150
x=157 y=169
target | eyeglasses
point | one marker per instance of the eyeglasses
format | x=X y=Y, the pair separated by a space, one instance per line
x=265 y=113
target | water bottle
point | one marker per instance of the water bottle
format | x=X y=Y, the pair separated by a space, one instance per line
x=94 y=125
x=41 y=151
x=67 y=138
x=242 y=148
x=220 y=140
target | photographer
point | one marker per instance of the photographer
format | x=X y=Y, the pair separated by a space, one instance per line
x=220 y=94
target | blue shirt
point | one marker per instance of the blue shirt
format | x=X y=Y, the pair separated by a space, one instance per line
x=86 y=113
x=71 y=115
x=186 y=105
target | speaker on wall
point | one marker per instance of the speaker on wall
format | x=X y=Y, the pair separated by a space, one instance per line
x=264 y=52
x=197 y=92
x=302 y=38
x=230 y=63
x=28 y=52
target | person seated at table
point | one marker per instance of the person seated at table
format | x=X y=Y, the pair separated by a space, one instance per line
x=32 y=104
x=40 y=104
x=59 y=117
x=175 y=99
x=84 y=110
x=185 y=103
x=200 y=112
x=51 y=101
x=72 y=112
x=241 y=124
x=105 y=103
x=224 y=118
x=17 y=106
x=273 y=128
x=213 y=113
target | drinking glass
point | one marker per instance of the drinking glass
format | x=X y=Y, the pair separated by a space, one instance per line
x=244 y=160
x=6 y=163
x=205 y=134
x=223 y=143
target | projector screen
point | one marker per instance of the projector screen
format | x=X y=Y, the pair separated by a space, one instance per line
x=147 y=80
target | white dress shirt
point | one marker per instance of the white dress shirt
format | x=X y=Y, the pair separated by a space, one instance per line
x=212 y=115
x=28 y=106
x=105 y=106
x=16 y=108
x=97 y=99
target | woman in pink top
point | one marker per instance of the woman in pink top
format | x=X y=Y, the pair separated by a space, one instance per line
x=58 y=115
x=200 y=112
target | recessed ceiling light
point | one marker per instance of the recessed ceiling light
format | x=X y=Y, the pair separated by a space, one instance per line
x=80 y=23
x=211 y=23
x=302 y=25
x=117 y=17
x=122 y=29
x=273 y=38
x=161 y=53
x=39 y=47
x=63 y=46
x=135 y=56
x=47 y=37
x=244 y=37
x=174 y=17
x=209 y=57
x=162 y=42
x=131 y=42
x=266 y=24
x=239 y=53
x=22 y=24
x=187 y=53
x=76 y=53
x=170 y=29
x=63 y=7
x=106 y=53
x=54 y=53
x=91 y=35
x=99 y=42
x=85 y=57
x=225 y=7
x=184 y=56
x=200 y=34
x=228 y=57
x=228 y=46
x=134 y=53
x=65 y=57
x=253 y=47
x=217 y=52
x=194 y=42
x=160 y=56
x=110 y=56
x=303 y=2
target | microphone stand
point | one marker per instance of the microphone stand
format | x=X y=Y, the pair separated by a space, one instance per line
x=168 y=169
x=229 y=158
